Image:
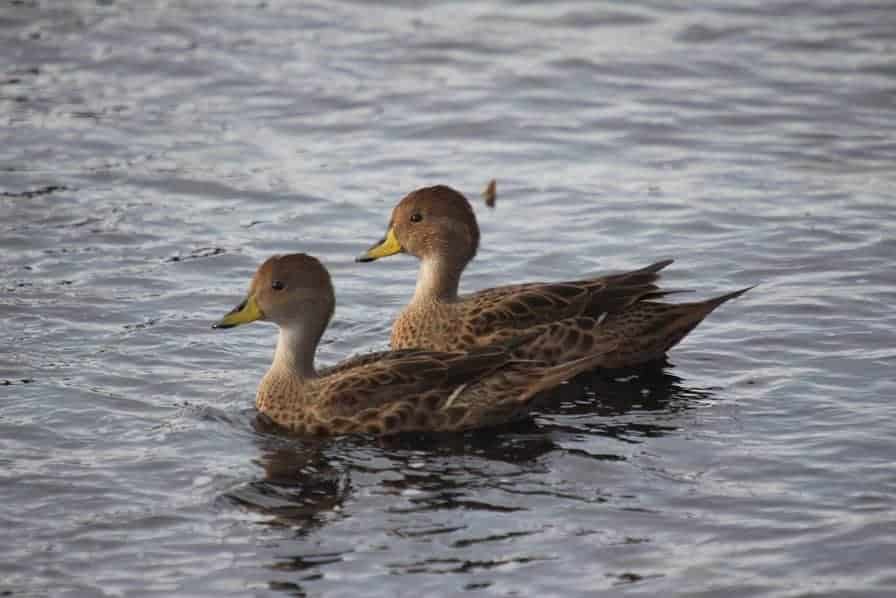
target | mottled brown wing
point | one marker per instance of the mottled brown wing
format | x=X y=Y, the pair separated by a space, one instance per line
x=407 y=376
x=525 y=305
x=641 y=276
x=511 y=308
x=562 y=341
x=364 y=359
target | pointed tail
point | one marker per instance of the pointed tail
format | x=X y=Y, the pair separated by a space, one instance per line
x=656 y=266
x=717 y=301
x=683 y=318
x=673 y=330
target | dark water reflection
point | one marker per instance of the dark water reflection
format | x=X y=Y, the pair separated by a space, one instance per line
x=154 y=152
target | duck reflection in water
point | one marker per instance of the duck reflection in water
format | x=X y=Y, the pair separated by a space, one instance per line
x=301 y=488
x=651 y=389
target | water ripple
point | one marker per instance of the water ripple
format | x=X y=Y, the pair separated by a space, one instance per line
x=157 y=151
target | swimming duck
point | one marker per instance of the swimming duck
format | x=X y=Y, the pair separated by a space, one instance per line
x=437 y=226
x=385 y=392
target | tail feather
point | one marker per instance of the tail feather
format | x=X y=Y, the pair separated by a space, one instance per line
x=686 y=317
x=650 y=329
x=656 y=266
x=717 y=301
x=673 y=330
x=641 y=276
x=660 y=293
x=697 y=309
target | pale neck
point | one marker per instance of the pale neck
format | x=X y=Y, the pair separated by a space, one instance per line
x=295 y=350
x=438 y=279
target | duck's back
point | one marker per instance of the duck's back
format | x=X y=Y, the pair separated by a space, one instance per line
x=479 y=318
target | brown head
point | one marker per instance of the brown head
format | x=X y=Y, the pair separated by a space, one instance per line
x=287 y=290
x=431 y=222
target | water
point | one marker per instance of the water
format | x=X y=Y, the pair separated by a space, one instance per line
x=155 y=152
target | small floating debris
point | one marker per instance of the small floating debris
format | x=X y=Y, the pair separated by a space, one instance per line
x=139 y=326
x=34 y=192
x=196 y=254
x=490 y=194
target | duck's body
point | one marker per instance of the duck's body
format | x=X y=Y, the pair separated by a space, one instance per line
x=564 y=320
x=386 y=392
x=402 y=391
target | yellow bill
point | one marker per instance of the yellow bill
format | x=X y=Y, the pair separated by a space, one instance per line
x=389 y=245
x=245 y=312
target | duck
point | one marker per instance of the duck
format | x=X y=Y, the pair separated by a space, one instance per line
x=562 y=321
x=381 y=393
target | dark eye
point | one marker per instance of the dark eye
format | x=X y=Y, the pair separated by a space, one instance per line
x=278 y=285
x=416 y=217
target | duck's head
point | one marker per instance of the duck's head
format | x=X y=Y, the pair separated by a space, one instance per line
x=432 y=222
x=288 y=290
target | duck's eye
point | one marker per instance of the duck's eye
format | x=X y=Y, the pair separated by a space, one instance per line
x=416 y=217
x=278 y=285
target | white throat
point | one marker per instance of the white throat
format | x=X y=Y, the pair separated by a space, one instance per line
x=436 y=281
x=295 y=350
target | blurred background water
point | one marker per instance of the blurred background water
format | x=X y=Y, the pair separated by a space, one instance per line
x=154 y=152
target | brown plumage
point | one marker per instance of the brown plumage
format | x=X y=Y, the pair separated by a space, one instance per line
x=570 y=319
x=386 y=392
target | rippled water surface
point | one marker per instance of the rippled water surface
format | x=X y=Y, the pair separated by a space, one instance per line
x=154 y=152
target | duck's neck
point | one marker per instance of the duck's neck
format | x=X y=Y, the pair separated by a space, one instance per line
x=438 y=279
x=295 y=350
